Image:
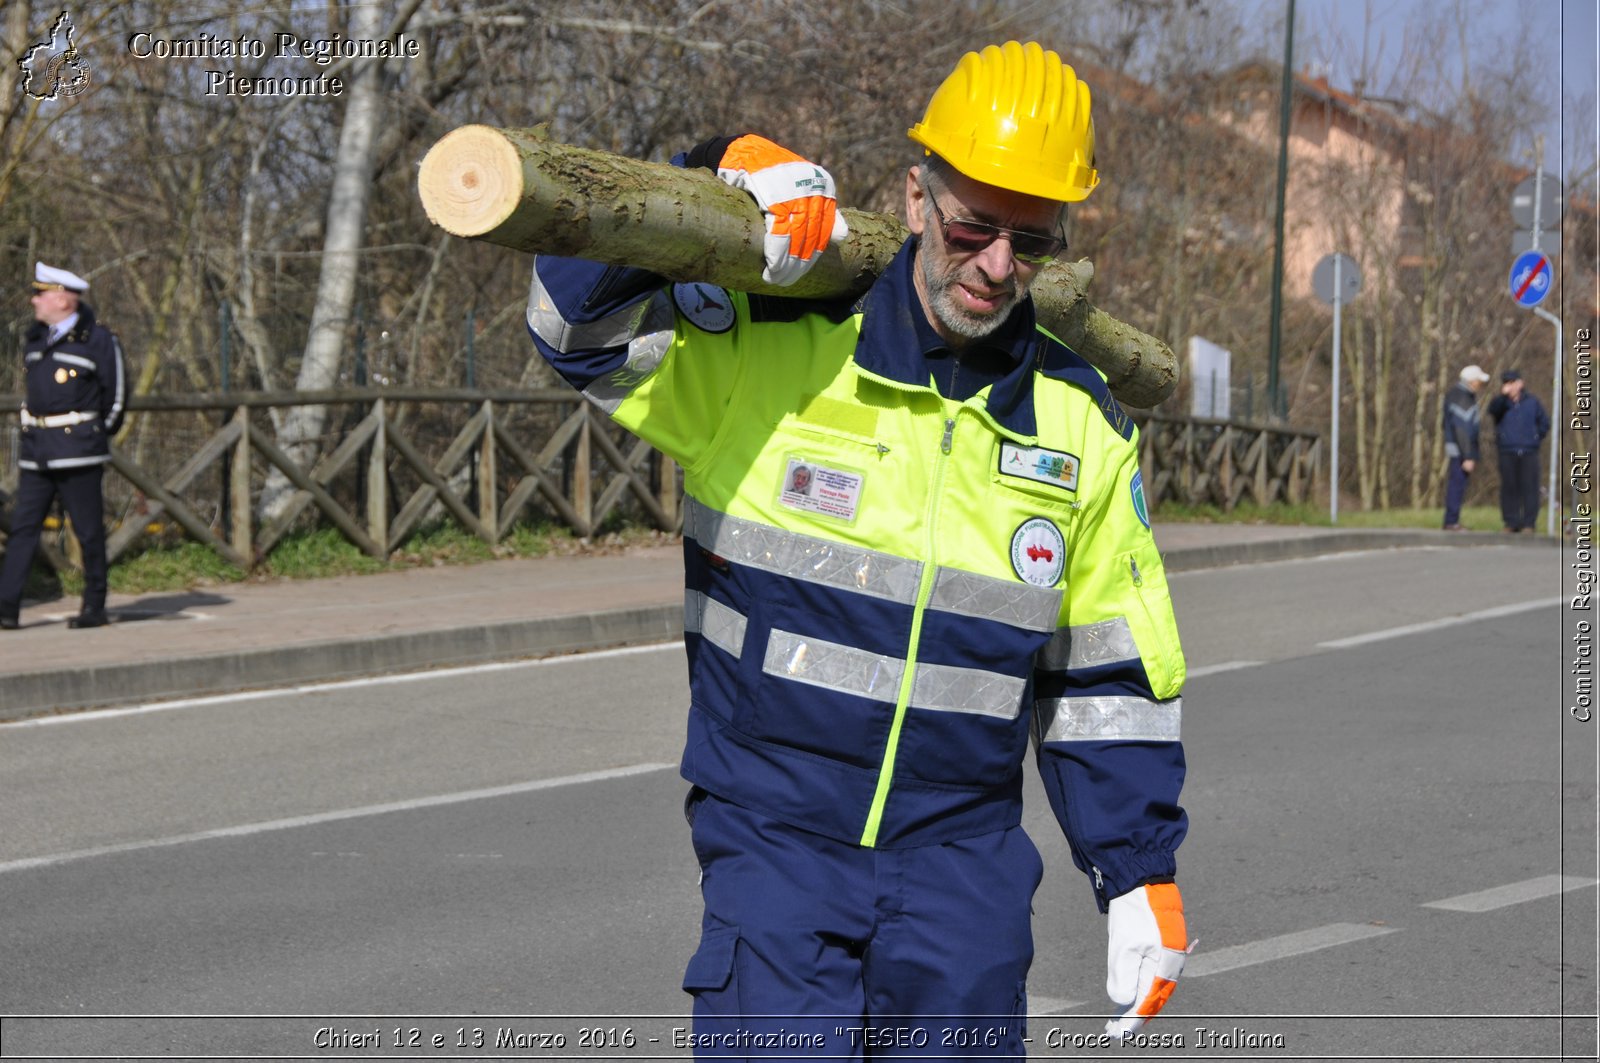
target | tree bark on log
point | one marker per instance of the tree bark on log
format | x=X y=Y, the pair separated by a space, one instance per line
x=518 y=189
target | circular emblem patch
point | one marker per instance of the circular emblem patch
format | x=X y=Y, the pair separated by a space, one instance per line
x=1038 y=552
x=710 y=308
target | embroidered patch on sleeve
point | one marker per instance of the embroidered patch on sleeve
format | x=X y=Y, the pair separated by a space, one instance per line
x=707 y=307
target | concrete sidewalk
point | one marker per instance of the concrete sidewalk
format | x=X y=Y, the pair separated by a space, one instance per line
x=238 y=636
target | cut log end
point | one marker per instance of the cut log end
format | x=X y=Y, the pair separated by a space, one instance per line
x=471 y=181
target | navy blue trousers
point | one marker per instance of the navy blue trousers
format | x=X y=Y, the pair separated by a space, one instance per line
x=1519 y=488
x=1455 y=491
x=79 y=490
x=812 y=947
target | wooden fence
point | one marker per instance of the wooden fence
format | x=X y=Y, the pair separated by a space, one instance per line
x=392 y=460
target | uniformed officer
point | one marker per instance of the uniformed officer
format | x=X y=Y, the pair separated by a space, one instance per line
x=75 y=394
x=914 y=525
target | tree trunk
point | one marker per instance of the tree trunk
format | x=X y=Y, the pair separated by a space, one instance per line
x=519 y=190
x=336 y=286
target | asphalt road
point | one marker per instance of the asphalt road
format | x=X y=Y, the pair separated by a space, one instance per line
x=1383 y=793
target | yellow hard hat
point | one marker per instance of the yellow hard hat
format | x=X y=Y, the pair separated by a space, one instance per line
x=1017 y=117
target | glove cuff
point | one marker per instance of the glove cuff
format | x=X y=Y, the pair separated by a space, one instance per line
x=707 y=154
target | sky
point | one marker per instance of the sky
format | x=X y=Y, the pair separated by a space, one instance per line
x=1331 y=36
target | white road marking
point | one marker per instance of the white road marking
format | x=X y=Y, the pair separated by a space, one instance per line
x=244 y=830
x=1281 y=947
x=1515 y=893
x=90 y=715
x=1442 y=622
x=1228 y=666
x=1038 y=1006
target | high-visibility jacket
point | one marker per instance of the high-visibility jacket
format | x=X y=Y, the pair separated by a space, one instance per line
x=885 y=587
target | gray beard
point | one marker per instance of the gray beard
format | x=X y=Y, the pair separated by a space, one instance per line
x=952 y=315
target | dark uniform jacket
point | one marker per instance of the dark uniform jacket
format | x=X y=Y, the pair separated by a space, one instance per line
x=1461 y=421
x=80 y=379
x=1520 y=425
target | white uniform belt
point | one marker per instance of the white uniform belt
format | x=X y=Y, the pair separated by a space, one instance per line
x=57 y=420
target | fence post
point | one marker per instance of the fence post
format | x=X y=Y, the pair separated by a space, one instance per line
x=239 y=488
x=667 y=489
x=378 y=480
x=582 y=492
x=488 y=476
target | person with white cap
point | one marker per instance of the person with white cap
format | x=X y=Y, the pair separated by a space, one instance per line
x=76 y=391
x=1461 y=420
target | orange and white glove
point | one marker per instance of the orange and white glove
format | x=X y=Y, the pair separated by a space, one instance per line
x=1149 y=943
x=796 y=199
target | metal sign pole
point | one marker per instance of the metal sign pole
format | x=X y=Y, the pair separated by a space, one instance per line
x=1333 y=458
x=1555 y=419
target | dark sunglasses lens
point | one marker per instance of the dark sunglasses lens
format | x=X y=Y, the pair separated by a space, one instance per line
x=970 y=236
x=1035 y=246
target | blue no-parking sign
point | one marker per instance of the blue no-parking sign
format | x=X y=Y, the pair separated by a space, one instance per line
x=1530 y=278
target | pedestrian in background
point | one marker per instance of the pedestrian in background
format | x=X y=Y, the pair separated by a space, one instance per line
x=1462 y=419
x=1520 y=426
x=866 y=667
x=75 y=389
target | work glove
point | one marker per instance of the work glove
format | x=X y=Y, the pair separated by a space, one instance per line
x=796 y=199
x=1149 y=943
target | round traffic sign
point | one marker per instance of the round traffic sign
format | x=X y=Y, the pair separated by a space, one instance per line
x=1530 y=278
x=1336 y=279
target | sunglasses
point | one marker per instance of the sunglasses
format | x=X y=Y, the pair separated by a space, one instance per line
x=962 y=234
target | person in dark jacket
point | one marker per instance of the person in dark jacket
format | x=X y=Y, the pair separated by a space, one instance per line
x=1520 y=426
x=1461 y=420
x=75 y=395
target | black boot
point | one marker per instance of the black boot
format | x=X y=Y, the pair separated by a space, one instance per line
x=89 y=618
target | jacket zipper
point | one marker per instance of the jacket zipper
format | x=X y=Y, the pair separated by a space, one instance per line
x=930 y=569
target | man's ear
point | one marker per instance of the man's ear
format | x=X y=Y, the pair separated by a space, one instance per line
x=915 y=215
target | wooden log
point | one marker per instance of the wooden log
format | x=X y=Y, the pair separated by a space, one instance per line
x=518 y=189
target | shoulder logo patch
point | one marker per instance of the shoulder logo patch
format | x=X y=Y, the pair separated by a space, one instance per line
x=708 y=308
x=1038 y=552
x=1140 y=508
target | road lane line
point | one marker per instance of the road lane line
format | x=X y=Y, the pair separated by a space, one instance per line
x=1515 y=893
x=1227 y=666
x=337 y=684
x=1442 y=622
x=1039 y=1007
x=1281 y=947
x=244 y=830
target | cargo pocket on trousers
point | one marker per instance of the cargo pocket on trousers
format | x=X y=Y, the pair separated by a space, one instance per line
x=709 y=977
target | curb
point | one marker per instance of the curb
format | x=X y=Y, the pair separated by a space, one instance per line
x=42 y=693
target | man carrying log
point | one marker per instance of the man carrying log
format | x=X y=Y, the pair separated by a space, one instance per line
x=971 y=553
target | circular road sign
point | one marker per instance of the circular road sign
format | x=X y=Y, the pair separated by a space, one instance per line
x=1550 y=195
x=1530 y=278
x=1323 y=279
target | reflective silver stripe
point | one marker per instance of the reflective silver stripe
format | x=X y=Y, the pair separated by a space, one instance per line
x=1084 y=719
x=936 y=687
x=718 y=624
x=1088 y=645
x=645 y=351
x=832 y=666
x=72 y=359
x=945 y=688
x=1020 y=604
x=33 y=356
x=612 y=331
x=803 y=557
x=119 y=392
